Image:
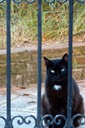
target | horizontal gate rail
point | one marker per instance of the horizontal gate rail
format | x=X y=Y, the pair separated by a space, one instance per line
x=38 y=121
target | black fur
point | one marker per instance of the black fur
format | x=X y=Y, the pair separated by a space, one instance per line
x=55 y=101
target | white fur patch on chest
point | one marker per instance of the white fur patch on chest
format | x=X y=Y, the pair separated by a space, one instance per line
x=57 y=87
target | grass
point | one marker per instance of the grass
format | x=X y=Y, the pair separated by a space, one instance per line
x=54 y=23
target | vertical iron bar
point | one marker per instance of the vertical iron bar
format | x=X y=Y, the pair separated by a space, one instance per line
x=39 y=62
x=69 y=111
x=8 y=64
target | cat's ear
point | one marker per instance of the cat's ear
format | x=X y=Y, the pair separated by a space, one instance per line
x=48 y=62
x=65 y=57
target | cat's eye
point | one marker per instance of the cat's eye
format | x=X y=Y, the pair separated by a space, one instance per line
x=63 y=70
x=52 y=71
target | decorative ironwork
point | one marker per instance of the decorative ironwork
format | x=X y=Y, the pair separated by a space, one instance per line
x=57 y=120
x=38 y=122
x=19 y=1
x=47 y=1
x=31 y=120
x=48 y=119
x=3 y=119
x=81 y=1
x=28 y=120
x=1 y=1
x=81 y=122
x=20 y=120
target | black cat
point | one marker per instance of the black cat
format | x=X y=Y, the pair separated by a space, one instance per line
x=54 y=100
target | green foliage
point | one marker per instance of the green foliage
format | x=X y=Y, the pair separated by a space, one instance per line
x=54 y=22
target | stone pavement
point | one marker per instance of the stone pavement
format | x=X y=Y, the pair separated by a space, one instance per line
x=24 y=103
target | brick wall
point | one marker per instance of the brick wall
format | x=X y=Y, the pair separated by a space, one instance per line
x=24 y=64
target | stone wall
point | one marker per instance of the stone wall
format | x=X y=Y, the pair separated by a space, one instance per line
x=24 y=64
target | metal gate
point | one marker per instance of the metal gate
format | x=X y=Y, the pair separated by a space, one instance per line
x=38 y=120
